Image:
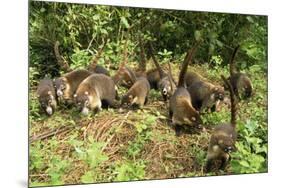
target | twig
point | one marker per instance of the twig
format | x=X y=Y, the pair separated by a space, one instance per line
x=121 y=124
x=51 y=133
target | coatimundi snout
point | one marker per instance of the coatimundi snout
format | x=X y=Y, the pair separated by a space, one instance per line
x=95 y=92
x=165 y=84
x=47 y=96
x=241 y=83
x=67 y=84
x=136 y=96
x=223 y=138
x=181 y=111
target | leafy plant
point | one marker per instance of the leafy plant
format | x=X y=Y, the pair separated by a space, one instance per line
x=130 y=171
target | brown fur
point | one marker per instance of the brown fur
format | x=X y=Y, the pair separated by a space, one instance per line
x=205 y=95
x=192 y=77
x=61 y=61
x=223 y=138
x=137 y=94
x=67 y=84
x=241 y=83
x=181 y=111
x=47 y=96
x=153 y=78
x=95 y=92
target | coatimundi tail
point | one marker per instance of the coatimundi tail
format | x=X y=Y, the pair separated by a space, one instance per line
x=95 y=92
x=67 y=84
x=94 y=67
x=181 y=111
x=223 y=138
x=61 y=61
x=241 y=83
x=47 y=96
x=164 y=84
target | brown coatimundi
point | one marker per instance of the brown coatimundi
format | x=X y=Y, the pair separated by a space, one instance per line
x=67 y=84
x=205 y=95
x=223 y=138
x=181 y=111
x=94 y=93
x=137 y=95
x=165 y=84
x=47 y=96
x=153 y=78
x=241 y=83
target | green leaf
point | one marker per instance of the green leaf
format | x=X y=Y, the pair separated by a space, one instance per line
x=125 y=22
x=87 y=177
x=197 y=35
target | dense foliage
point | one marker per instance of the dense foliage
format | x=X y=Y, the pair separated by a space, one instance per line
x=99 y=155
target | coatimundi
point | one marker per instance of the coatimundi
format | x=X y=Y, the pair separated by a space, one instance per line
x=93 y=67
x=137 y=95
x=67 y=84
x=47 y=96
x=153 y=78
x=223 y=138
x=165 y=84
x=94 y=93
x=241 y=83
x=204 y=94
x=181 y=111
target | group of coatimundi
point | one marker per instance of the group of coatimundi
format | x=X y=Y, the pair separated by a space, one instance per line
x=92 y=89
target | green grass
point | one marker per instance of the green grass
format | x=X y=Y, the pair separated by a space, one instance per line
x=136 y=145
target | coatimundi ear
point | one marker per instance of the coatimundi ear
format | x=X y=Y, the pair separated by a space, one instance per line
x=86 y=93
x=75 y=95
x=193 y=118
x=49 y=93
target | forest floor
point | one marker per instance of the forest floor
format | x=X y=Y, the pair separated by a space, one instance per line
x=115 y=145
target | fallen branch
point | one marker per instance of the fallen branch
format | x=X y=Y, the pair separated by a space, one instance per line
x=51 y=133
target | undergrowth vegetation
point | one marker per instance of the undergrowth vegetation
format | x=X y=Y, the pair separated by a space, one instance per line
x=127 y=145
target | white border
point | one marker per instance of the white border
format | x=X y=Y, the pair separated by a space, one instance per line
x=13 y=94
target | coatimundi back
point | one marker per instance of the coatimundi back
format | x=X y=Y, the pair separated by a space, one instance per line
x=181 y=111
x=223 y=138
x=47 y=96
x=95 y=92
